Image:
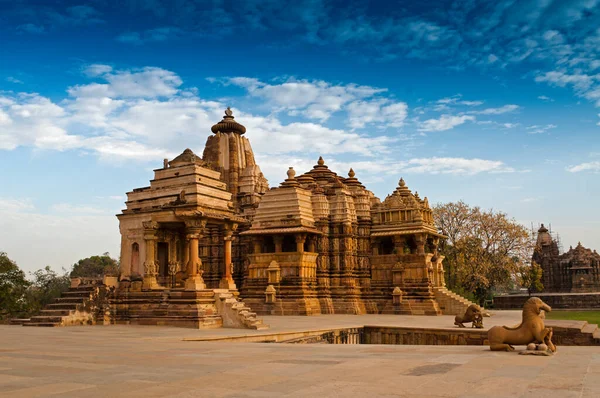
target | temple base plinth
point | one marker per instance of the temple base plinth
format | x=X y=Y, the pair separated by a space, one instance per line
x=150 y=282
x=195 y=283
x=228 y=284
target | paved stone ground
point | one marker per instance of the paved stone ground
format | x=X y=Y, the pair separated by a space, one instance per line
x=149 y=361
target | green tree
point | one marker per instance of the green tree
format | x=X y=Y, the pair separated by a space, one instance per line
x=96 y=266
x=46 y=286
x=484 y=250
x=13 y=288
x=531 y=277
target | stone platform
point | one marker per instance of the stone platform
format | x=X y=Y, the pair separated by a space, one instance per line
x=150 y=361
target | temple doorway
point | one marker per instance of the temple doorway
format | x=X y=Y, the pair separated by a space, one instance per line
x=163 y=259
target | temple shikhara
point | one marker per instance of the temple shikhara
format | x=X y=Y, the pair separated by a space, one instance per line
x=576 y=271
x=209 y=244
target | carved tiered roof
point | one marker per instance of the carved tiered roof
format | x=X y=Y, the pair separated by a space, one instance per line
x=580 y=257
x=228 y=125
x=403 y=212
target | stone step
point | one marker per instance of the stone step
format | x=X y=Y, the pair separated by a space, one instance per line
x=56 y=312
x=69 y=300
x=44 y=318
x=42 y=324
x=82 y=289
x=589 y=328
x=19 y=321
x=62 y=306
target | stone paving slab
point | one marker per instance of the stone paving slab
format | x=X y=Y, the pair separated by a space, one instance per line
x=153 y=361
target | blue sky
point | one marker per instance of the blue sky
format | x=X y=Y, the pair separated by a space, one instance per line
x=494 y=103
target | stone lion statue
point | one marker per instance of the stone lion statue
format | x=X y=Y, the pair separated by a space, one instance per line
x=530 y=330
x=473 y=314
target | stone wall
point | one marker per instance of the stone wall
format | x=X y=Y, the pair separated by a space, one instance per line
x=422 y=336
x=554 y=300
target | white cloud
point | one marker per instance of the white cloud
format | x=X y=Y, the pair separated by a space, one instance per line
x=12 y=79
x=315 y=100
x=589 y=166
x=143 y=114
x=445 y=122
x=497 y=111
x=456 y=100
x=97 y=70
x=69 y=208
x=381 y=112
x=560 y=78
x=148 y=82
x=10 y=205
x=545 y=98
x=437 y=165
x=537 y=129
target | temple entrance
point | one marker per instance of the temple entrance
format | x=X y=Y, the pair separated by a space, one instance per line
x=163 y=259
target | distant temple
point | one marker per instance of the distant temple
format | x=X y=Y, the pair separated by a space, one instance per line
x=576 y=271
x=317 y=244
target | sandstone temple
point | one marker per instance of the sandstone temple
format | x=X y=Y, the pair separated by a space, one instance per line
x=209 y=244
x=576 y=271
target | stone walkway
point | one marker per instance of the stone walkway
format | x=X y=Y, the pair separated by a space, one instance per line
x=149 y=361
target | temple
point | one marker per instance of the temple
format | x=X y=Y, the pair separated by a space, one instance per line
x=209 y=244
x=576 y=271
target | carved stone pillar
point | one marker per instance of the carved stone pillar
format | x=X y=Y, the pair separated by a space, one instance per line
x=374 y=246
x=399 y=243
x=125 y=262
x=257 y=243
x=300 y=243
x=312 y=244
x=173 y=263
x=227 y=279
x=194 y=281
x=420 y=241
x=278 y=243
x=150 y=265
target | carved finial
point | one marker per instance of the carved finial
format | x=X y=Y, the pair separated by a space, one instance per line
x=291 y=173
x=228 y=112
x=401 y=182
x=417 y=195
x=165 y=163
x=321 y=162
x=351 y=173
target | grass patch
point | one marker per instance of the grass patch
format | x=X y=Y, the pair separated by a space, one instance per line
x=590 y=316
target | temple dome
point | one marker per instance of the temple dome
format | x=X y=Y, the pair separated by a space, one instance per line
x=228 y=125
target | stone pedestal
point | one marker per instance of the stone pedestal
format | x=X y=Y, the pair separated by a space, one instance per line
x=195 y=283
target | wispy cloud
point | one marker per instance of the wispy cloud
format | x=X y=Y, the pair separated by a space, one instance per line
x=497 y=111
x=445 y=122
x=537 y=129
x=589 y=166
x=12 y=79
